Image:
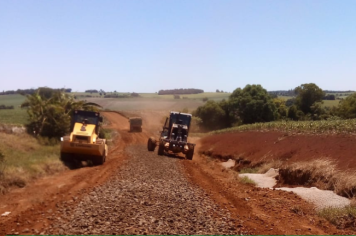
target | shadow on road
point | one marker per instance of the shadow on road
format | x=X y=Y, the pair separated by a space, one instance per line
x=172 y=155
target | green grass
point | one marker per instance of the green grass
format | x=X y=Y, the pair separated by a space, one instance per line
x=248 y=170
x=26 y=159
x=340 y=216
x=330 y=103
x=247 y=180
x=12 y=100
x=285 y=98
x=16 y=116
x=209 y=95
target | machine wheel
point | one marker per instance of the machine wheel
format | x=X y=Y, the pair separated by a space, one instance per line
x=160 y=149
x=100 y=160
x=151 y=144
x=190 y=154
x=104 y=157
x=65 y=157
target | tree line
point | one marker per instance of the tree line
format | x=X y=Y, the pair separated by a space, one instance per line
x=180 y=91
x=32 y=91
x=254 y=104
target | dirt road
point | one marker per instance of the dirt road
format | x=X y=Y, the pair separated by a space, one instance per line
x=137 y=192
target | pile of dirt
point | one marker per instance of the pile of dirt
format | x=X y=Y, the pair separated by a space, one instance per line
x=258 y=147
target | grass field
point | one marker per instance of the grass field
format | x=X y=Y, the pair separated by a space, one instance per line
x=331 y=103
x=145 y=104
x=15 y=116
x=209 y=95
x=25 y=159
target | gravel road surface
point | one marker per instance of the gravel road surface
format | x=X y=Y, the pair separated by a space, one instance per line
x=148 y=195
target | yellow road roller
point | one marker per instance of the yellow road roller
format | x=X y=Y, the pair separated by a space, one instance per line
x=83 y=143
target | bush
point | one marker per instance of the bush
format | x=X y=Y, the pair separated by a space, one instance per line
x=247 y=180
x=211 y=115
x=253 y=104
x=3 y=107
x=347 y=107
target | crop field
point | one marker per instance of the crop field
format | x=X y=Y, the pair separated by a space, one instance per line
x=209 y=95
x=322 y=126
x=331 y=103
x=16 y=116
x=146 y=104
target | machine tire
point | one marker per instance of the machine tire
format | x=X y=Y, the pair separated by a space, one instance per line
x=190 y=154
x=160 y=149
x=100 y=160
x=65 y=157
x=151 y=144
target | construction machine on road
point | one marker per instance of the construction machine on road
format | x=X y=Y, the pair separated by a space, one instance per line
x=135 y=124
x=83 y=143
x=174 y=136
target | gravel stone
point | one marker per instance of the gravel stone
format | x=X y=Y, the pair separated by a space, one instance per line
x=148 y=195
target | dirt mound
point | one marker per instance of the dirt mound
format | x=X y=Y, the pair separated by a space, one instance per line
x=257 y=147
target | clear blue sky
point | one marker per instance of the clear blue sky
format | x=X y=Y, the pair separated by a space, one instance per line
x=147 y=45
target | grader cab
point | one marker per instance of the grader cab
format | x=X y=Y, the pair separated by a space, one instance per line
x=174 y=136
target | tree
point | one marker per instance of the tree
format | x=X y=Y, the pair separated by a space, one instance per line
x=211 y=115
x=307 y=95
x=281 y=107
x=347 y=107
x=50 y=116
x=218 y=91
x=252 y=104
x=133 y=94
x=229 y=118
x=329 y=97
x=317 y=111
x=293 y=112
x=290 y=102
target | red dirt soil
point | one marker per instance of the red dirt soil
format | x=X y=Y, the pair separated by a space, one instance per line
x=265 y=146
x=261 y=211
x=28 y=204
